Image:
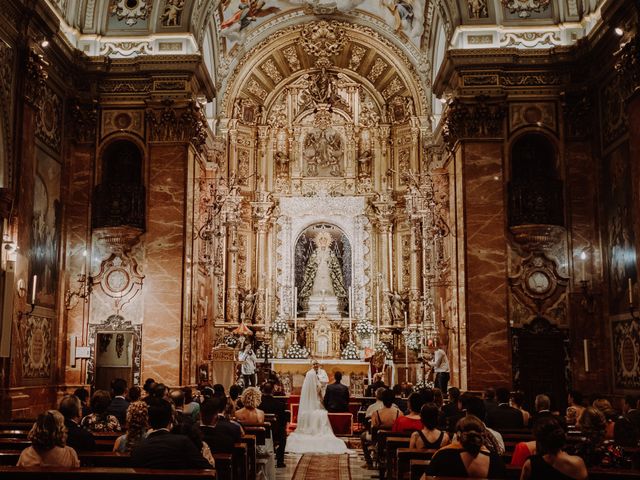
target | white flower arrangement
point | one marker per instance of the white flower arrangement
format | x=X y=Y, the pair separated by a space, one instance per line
x=384 y=348
x=365 y=328
x=260 y=351
x=413 y=341
x=422 y=384
x=350 y=352
x=280 y=327
x=297 y=352
x=230 y=341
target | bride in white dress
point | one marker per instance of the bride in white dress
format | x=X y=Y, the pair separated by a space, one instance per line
x=313 y=433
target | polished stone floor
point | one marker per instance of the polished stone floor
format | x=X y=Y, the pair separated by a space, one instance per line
x=355 y=463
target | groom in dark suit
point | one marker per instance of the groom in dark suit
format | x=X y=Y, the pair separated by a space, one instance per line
x=336 y=398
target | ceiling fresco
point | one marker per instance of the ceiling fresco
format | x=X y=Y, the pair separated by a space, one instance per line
x=239 y=17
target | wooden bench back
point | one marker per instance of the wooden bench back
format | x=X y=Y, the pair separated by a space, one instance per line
x=83 y=473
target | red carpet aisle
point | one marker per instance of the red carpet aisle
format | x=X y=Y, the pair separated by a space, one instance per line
x=311 y=467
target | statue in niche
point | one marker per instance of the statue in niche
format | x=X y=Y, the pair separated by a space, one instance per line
x=323 y=286
x=364 y=163
x=282 y=165
x=249 y=305
x=323 y=150
x=397 y=307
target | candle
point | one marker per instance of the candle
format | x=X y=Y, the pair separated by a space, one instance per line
x=35 y=282
x=585 y=345
x=405 y=319
x=583 y=257
x=630 y=292
x=433 y=317
x=295 y=301
x=441 y=308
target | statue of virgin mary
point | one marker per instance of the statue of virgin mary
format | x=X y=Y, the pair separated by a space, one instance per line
x=323 y=281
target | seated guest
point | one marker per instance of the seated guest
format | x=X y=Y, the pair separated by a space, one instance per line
x=410 y=422
x=473 y=405
x=429 y=437
x=504 y=416
x=575 y=408
x=377 y=383
x=177 y=397
x=275 y=406
x=219 y=433
x=551 y=462
x=48 y=444
x=119 y=404
x=438 y=399
x=336 y=397
x=250 y=413
x=610 y=415
x=83 y=396
x=593 y=447
x=149 y=383
x=163 y=449
x=451 y=411
x=517 y=400
x=630 y=410
x=193 y=433
x=542 y=406
x=381 y=419
x=490 y=399
x=522 y=451
x=399 y=399
x=77 y=437
x=100 y=420
x=428 y=394
x=137 y=426
x=191 y=407
x=134 y=394
x=468 y=457
x=233 y=401
x=375 y=406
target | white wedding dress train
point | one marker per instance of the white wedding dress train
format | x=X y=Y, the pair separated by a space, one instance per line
x=313 y=432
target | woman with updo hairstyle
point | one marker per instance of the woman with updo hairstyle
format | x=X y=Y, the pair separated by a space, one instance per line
x=593 y=447
x=550 y=461
x=137 y=426
x=250 y=413
x=48 y=448
x=467 y=457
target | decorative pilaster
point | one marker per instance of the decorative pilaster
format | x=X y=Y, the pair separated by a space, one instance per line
x=384 y=207
x=261 y=209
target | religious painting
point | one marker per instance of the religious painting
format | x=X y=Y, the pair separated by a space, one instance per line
x=621 y=253
x=36 y=352
x=45 y=231
x=323 y=271
x=323 y=153
x=626 y=354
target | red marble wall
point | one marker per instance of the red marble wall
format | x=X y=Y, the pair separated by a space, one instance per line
x=489 y=351
x=164 y=272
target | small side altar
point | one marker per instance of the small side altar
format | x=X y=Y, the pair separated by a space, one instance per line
x=292 y=372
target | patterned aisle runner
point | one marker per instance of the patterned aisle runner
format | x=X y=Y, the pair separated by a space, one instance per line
x=313 y=467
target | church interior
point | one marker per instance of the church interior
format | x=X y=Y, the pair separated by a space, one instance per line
x=356 y=182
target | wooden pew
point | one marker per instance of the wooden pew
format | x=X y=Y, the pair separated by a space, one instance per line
x=93 y=473
x=404 y=456
x=380 y=447
x=392 y=446
x=102 y=445
x=240 y=461
x=417 y=468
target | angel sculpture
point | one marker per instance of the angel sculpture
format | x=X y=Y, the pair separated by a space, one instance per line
x=249 y=11
x=396 y=307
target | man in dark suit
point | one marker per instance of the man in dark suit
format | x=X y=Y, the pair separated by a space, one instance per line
x=451 y=411
x=77 y=437
x=377 y=383
x=336 y=398
x=119 y=404
x=275 y=406
x=504 y=416
x=162 y=449
x=630 y=410
x=219 y=433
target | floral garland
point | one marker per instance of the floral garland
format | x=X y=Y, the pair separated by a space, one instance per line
x=421 y=385
x=280 y=327
x=350 y=352
x=296 y=351
x=365 y=328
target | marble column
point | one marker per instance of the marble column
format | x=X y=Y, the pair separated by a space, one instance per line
x=164 y=269
x=482 y=189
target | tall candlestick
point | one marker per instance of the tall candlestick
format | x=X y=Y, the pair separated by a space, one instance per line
x=585 y=345
x=378 y=299
x=406 y=359
x=441 y=308
x=35 y=282
x=583 y=258
x=295 y=302
x=630 y=292
x=405 y=320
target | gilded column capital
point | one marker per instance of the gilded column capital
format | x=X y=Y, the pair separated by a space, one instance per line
x=36 y=78
x=481 y=117
x=172 y=122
